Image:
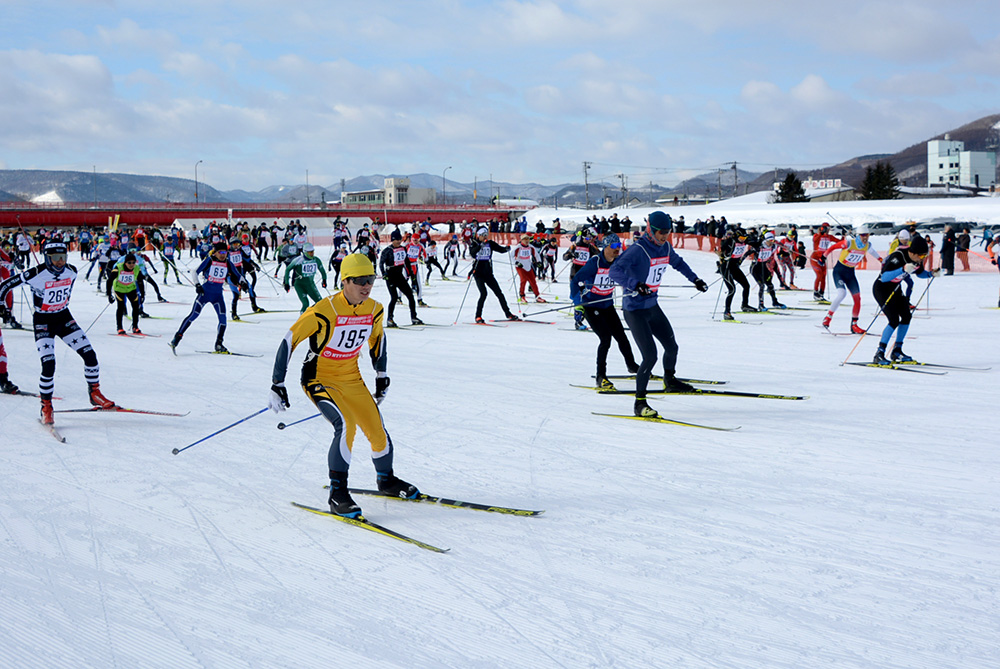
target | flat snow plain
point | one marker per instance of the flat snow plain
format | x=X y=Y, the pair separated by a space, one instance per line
x=857 y=528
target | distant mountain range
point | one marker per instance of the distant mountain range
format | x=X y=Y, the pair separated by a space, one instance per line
x=910 y=164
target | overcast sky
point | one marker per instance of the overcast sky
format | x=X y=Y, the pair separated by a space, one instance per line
x=525 y=91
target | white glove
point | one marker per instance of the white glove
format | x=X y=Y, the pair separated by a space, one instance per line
x=910 y=268
x=936 y=272
x=277 y=401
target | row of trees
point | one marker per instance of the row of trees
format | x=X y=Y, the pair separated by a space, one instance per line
x=880 y=183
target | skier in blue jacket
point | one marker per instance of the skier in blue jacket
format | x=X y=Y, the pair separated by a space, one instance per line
x=639 y=271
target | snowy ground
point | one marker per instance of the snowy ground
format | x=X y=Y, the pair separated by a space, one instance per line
x=854 y=529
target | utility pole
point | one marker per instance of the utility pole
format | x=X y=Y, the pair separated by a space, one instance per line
x=624 y=190
x=736 y=181
x=586 y=184
x=307 y=188
x=720 y=183
x=95 y=186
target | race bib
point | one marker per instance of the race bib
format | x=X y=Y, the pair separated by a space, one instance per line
x=126 y=278
x=217 y=272
x=349 y=334
x=603 y=285
x=581 y=255
x=308 y=268
x=854 y=258
x=398 y=256
x=56 y=295
x=657 y=266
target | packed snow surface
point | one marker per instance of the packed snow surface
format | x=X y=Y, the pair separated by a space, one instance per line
x=857 y=528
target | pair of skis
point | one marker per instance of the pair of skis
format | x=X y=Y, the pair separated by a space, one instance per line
x=699 y=391
x=364 y=523
x=920 y=367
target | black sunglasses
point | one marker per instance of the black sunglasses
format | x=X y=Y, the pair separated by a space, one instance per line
x=363 y=280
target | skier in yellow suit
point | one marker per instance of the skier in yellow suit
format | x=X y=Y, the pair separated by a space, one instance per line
x=338 y=328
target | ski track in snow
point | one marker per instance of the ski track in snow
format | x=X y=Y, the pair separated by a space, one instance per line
x=853 y=529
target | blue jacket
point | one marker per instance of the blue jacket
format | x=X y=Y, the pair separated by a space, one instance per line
x=632 y=268
x=586 y=276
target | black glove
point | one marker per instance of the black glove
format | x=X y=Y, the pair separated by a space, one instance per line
x=244 y=285
x=200 y=289
x=381 y=387
x=642 y=290
x=324 y=284
x=278 y=400
x=701 y=285
x=286 y=287
x=994 y=261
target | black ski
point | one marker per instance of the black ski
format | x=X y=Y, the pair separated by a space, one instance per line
x=363 y=522
x=654 y=377
x=455 y=503
x=706 y=391
x=667 y=421
x=242 y=355
x=898 y=368
x=118 y=409
x=931 y=364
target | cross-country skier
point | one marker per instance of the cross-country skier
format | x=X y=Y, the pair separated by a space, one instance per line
x=593 y=281
x=303 y=269
x=123 y=288
x=895 y=306
x=852 y=252
x=51 y=285
x=392 y=264
x=215 y=269
x=337 y=330
x=482 y=249
x=639 y=270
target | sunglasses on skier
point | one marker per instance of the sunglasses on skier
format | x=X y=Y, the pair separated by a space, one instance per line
x=363 y=280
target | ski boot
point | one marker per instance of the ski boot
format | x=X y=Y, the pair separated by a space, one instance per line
x=160 y=298
x=604 y=384
x=855 y=329
x=880 y=358
x=479 y=320
x=643 y=410
x=136 y=330
x=173 y=343
x=235 y=317
x=121 y=332
x=341 y=503
x=416 y=321
x=220 y=348
x=97 y=399
x=674 y=385
x=512 y=317
x=258 y=310
x=748 y=309
x=389 y=485
x=421 y=303
x=143 y=314
x=46 y=413
x=761 y=307
x=728 y=316
x=6 y=387
x=778 y=305
x=898 y=356
x=826 y=320
x=540 y=300
x=391 y=324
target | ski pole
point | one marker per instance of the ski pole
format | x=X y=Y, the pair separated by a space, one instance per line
x=573 y=306
x=282 y=426
x=469 y=279
x=715 y=309
x=98 y=316
x=706 y=289
x=256 y=413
